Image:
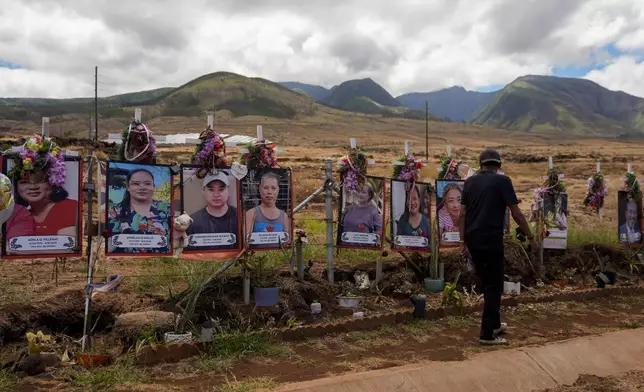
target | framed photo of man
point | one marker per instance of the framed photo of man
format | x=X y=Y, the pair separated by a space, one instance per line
x=410 y=223
x=555 y=212
x=361 y=215
x=46 y=219
x=448 y=211
x=139 y=210
x=213 y=204
x=629 y=220
x=267 y=196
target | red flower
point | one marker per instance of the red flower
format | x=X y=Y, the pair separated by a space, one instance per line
x=142 y=226
x=360 y=227
x=270 y=228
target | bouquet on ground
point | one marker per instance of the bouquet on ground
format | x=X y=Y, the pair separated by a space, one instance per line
x=353 y=169
x=39 y=156
x=137 y=144
x=596 y=193
x=210 y=154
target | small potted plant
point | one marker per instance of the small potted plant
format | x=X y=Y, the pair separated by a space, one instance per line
x=265 y=291
x=96 y=356
x=348 y=297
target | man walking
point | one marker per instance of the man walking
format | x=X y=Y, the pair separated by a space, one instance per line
x=486 y=195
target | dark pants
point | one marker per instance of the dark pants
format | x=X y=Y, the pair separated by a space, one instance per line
x=488 y=258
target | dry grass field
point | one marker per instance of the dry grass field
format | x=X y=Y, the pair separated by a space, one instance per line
x=28 y=286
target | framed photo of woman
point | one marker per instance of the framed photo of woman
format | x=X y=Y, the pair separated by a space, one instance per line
x=448 y=211
x=139 y=213
x=410 y=221
x=361 y=215
x=267 y=196
x=46 y=221
x=213 y=203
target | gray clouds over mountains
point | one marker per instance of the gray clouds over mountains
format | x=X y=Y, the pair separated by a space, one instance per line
x=413 y=45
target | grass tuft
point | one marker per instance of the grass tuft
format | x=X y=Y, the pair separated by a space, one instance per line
x=121 y=374
x=8 y=381
x=249 y=385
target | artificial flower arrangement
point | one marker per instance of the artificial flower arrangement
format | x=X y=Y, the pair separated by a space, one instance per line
x=407 y=168
x=551 y=185
x=353 y=169
x=259 y=155
x=596 y=193
x=38 y=341
x=41 y=156
x=138 y=144
x=210 y=154
x=631 y=185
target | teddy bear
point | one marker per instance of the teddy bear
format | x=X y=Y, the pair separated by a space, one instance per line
x=180 y=240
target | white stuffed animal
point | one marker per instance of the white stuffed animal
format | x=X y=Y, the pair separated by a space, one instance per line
x=180 y=240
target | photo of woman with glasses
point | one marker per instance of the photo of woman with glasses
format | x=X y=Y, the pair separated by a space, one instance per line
x=139 y=217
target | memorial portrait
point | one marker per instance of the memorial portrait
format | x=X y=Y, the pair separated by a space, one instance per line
x=629 y=220
x=361 y=215
x=46 y=219
x=555 y=212
x=448 y=211
x=213 y=204
x=410 y=222
x=139 y=211
x=268 y=208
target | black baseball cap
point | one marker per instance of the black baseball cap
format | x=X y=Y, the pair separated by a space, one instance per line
x=490 y=155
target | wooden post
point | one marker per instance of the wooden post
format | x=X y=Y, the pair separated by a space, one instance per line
x=550 y=163
x=407 y=147
x=353 y=143
x=260 y=133
x=137 y=114
x=45 y=127
x=211 y=121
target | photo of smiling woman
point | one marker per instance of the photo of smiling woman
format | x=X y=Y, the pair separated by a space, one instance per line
x=45 y=219
x=267 y=200
x=448 y=211
x=361 y=216
x=139 y=213
x=410 y=223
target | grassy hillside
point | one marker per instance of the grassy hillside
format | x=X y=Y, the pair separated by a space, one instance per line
x=318 y=93
x=344 y=94
x=454 y=103
x=240 y=95
x=32 y=109
x=576 y=106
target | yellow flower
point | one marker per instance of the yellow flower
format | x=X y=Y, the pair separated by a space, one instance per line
x=26 y=163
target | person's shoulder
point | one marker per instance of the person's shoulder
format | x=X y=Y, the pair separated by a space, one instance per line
x=199 y=213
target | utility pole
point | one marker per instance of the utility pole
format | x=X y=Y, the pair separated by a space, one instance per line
x=426 y=131
x=95 y=103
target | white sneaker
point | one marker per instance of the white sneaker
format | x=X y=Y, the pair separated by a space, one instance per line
x=501 y=329
x=494 y=342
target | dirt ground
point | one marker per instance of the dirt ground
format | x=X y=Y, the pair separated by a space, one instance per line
x=448 y=339
x=628 y=382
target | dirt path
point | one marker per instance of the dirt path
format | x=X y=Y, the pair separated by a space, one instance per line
x=452 y=338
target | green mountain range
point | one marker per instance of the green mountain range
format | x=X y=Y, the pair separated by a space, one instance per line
x=571 y=105
x=530 y=103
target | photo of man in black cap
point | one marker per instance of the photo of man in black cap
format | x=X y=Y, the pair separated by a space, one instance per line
x=486 y=196
x=217 y=216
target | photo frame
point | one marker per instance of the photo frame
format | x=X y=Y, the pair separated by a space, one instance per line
x=361 y=222
x=410 y=221
x=55 y=231
x=555 y=213
x=629 y=220
x=139 y=209
x=214 y=204
x=448 y=210
x=267 y=205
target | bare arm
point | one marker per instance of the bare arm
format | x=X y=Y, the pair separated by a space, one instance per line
x=518 y=217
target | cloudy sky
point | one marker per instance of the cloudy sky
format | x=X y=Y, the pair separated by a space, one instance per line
x=48 y=48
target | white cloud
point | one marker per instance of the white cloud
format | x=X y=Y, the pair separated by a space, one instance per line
x=409 y=46
x=626 y=73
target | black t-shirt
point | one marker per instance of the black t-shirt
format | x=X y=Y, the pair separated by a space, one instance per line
x=204 y=223
x=486 y=196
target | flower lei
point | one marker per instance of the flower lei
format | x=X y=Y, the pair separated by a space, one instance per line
x=137 y=145
x=407 y=168
x=551 y=185
x=210 y=154
x=449 y=169
x=259 y=155
x=632 y=186
x=39 y=155
x=353 y=169
x=597 y=191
